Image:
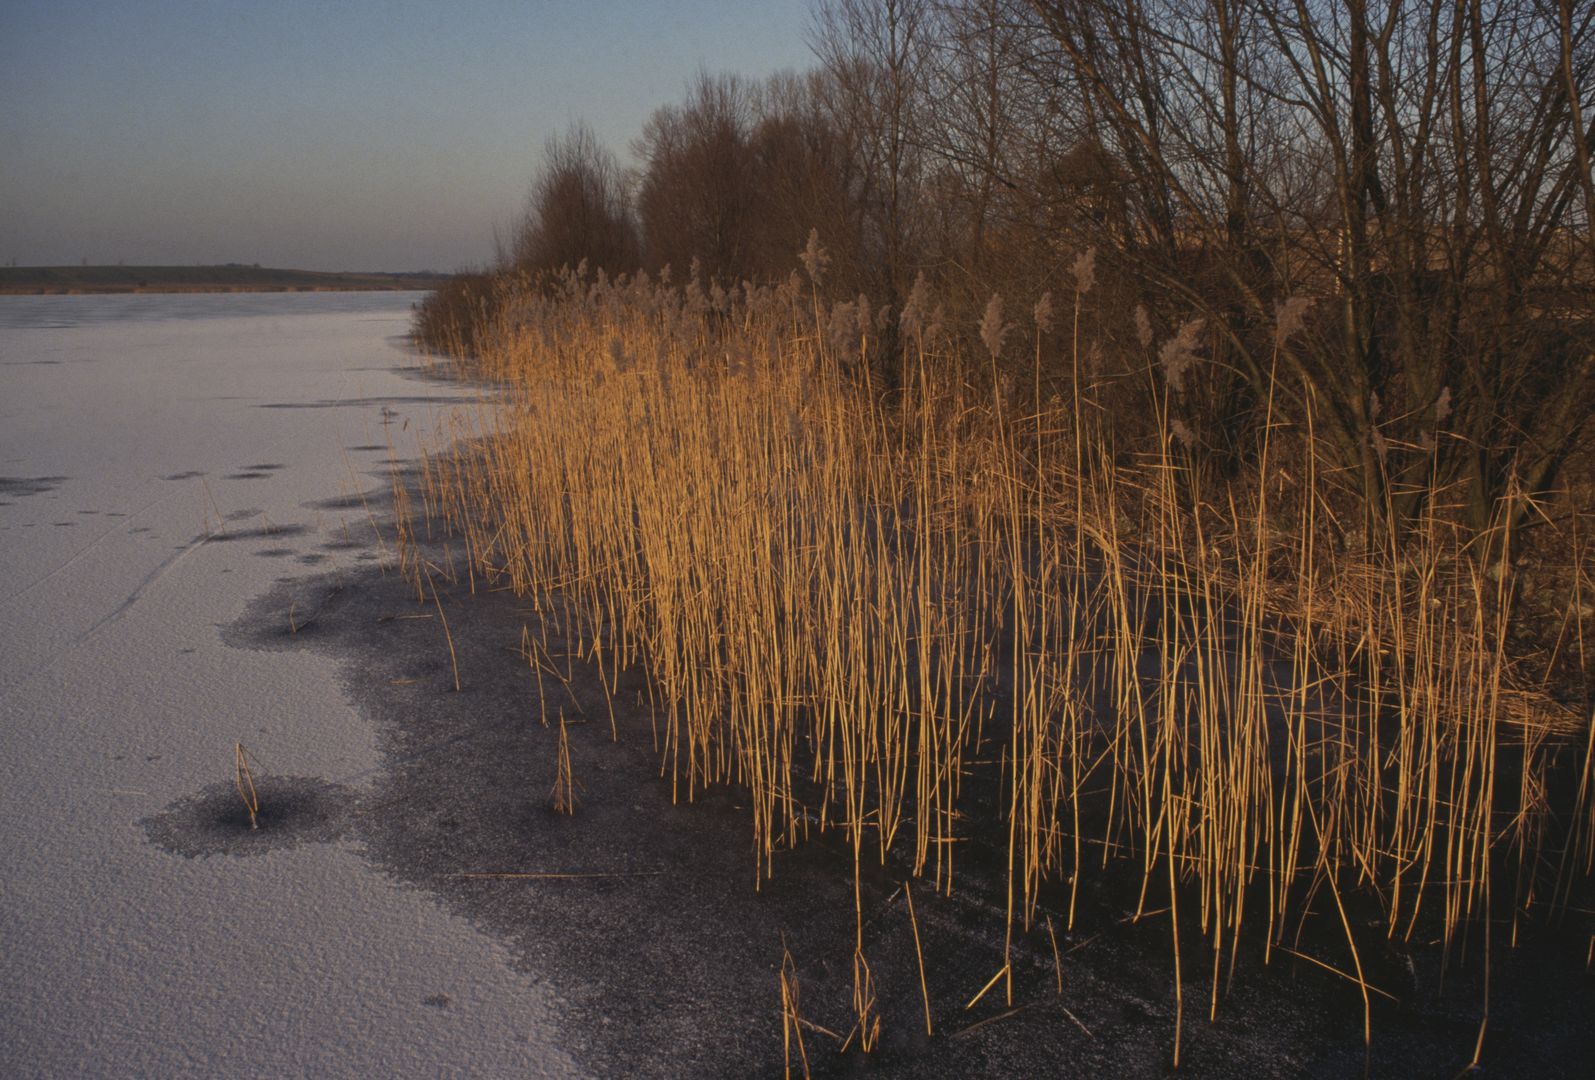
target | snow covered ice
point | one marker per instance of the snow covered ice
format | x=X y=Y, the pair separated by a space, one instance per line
x=163 y=461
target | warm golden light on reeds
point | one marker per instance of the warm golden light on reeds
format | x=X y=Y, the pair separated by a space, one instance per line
x=844 y=603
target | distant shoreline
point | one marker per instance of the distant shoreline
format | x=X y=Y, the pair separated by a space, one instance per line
x=85 y=280
x=113 y=290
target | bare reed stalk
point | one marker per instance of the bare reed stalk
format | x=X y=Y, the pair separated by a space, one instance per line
x=448 y=636
x=919 y=956
x=564 y=794
x=244 y=781
x=791 y=1018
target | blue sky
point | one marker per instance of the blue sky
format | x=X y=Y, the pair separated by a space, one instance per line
x=339 y=134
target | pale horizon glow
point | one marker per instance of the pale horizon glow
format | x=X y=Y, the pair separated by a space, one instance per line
x=369 y=135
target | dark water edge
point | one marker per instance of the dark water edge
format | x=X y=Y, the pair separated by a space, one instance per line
x=648 y=919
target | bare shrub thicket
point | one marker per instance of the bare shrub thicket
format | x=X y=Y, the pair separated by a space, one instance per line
x=1417 y=175
x=1422 y=170
x=578 y=210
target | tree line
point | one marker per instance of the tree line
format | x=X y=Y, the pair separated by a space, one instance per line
x=1370 y=218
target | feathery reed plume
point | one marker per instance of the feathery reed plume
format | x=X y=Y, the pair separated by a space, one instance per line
x=915 y=308
x=1143 y=327
x=1178 y=353
x=992 y=329
x=1182 y=433
x=1290 y=317
x=814 y=258
x=843 y=332
x=1043 y=314
x=1084 y=269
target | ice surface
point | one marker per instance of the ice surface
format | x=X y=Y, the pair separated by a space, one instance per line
x=163 y=460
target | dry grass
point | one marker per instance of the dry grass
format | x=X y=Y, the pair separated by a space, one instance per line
x=244 y=781
x=843 y=604
x=563 y=797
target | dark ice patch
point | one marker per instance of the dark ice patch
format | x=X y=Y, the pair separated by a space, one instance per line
x=264 y=532
x=30 y=485
x=366 y=403
x=292 y=614
x=293 y=810
x=338 y=502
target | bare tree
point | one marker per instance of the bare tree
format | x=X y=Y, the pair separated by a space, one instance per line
x=804 y=176
x=578 y=209
x=1419 y=169
x=696 y=195
x=874 y=52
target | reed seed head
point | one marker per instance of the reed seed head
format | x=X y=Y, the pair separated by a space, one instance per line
x=814 y=258
x=1143 y=327
x=1178 y=354
x=1289 y=318
x=1085 y=270
x=1043 y=313
x=912 y=319
x=992 y=329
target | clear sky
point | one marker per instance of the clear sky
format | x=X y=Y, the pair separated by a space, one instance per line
x=328 y=134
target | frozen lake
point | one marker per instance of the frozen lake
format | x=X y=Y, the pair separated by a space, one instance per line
x=163 y=461
x=190 y=563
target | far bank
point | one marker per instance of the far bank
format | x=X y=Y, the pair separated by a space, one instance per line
x=231 y=277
